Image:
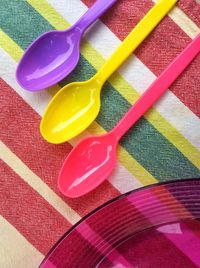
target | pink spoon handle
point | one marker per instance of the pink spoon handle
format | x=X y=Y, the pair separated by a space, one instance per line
x=153 y=93
x=93 y=13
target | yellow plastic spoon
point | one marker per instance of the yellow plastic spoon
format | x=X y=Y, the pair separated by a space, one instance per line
x=77 y=105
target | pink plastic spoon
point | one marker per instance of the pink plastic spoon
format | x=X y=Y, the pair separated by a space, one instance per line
x=94 y=158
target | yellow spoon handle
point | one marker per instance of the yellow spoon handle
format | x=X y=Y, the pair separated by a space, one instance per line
x=135 y=38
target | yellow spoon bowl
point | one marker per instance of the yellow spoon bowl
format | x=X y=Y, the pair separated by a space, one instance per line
x=77 y=105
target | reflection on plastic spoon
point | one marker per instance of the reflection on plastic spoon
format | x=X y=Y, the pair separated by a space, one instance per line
x=75 y=114
x=55 y=54
x=91 y=169
x=94 y=158
x=40 y=71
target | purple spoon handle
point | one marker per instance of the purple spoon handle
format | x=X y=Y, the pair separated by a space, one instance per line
x=93 y=13
x=161 y=84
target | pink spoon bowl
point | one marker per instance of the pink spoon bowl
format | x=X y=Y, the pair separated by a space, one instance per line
x=94 y=158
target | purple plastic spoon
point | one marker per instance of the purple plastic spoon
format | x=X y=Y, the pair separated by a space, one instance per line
x=55 y=54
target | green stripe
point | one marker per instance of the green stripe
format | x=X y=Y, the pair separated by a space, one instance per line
x=21 y=22
x=143 y=141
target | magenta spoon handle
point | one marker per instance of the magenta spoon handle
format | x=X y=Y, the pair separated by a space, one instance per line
x=157 y=88
x=93 y=13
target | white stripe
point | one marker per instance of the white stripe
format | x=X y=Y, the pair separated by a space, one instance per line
x=123 y=180
x=134 y=71
x=15 y=250
x=184 y=22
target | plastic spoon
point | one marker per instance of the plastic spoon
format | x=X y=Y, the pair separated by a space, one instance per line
x=77 y=105
x=55 y=54
x=94 y=158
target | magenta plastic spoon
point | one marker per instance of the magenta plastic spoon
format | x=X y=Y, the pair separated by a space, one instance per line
x=94 y=158
x=55 y=54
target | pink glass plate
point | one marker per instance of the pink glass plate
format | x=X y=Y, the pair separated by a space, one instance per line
x=156 y=225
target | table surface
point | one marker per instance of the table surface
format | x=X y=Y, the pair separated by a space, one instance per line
x=164 y=145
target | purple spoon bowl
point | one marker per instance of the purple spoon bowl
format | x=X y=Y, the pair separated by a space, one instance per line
x=49 y=59
x=55 y=54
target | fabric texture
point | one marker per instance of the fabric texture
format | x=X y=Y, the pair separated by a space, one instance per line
x=164 y=144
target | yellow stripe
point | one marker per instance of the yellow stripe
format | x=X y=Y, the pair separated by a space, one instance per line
x=125 y=89
x=37 y=184
x=49 y=13
x=8 y=44
x=128 y=162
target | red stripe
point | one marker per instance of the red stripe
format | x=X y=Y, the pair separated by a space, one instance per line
x=192 y=9
x=29 y=213
x=20 y=132
x=159 y=49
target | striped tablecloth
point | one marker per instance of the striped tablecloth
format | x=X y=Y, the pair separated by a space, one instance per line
x=163 y=145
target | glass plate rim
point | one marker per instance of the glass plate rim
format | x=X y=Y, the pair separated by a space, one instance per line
x=112 y=200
